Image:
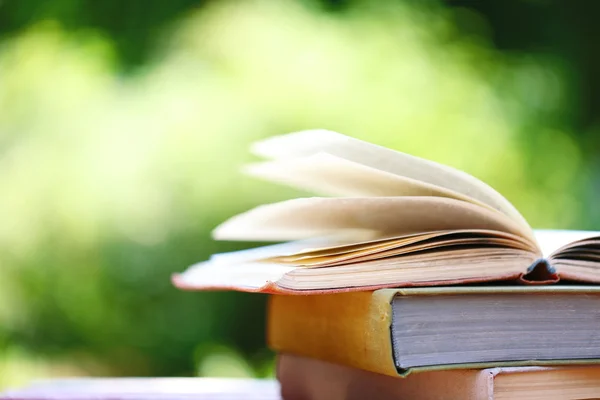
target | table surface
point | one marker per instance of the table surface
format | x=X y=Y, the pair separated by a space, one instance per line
x=146 y=389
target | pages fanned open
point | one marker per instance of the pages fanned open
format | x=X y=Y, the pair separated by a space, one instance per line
x=385 y=219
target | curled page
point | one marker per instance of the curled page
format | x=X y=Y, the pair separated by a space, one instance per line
x=312 y=217
x=310 y=142
x=331 y=175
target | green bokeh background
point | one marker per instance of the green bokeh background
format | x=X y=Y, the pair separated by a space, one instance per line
x=123 y=126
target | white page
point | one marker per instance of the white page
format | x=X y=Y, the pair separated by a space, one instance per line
x=251 y=276
x=551 y=240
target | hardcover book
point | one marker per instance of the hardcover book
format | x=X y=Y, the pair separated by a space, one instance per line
x=310 y=379
x=398 y=331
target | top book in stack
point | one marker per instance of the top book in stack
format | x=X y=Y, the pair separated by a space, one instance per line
x=389 y=219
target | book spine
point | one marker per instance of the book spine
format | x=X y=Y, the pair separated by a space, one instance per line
x=351 y=329
x=540 y=272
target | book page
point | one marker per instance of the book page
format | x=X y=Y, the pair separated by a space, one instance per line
x=316 y=216
x=551 y=240
x=329 y=175
x=243 y=276
x=548 y=383
x=405 y=245
x=325 y=250
x=310 y=142
x=469 y=245
x=285 y=249
x=434 y=268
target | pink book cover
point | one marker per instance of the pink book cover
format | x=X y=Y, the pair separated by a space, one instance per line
x=147 y=389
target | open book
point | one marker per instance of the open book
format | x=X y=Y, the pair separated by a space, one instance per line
x=387 y=219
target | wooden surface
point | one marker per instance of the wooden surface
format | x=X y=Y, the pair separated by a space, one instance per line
x=147 y=389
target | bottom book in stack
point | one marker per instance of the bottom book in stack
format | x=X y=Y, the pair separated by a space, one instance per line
x=303 y=378
x=484 y=342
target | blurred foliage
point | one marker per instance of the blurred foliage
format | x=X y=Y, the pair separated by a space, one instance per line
x=113 y=182
x=136 y=28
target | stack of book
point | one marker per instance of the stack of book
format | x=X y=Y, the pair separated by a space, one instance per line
x=409 y=279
